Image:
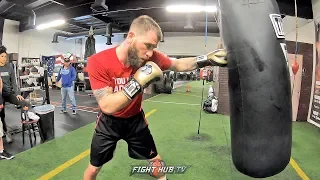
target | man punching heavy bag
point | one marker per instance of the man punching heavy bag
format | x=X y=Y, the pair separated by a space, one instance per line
x=259 y=86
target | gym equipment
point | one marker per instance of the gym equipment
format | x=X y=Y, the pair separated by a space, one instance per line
x=259 y=86
x=168 y=85
x=164 y=86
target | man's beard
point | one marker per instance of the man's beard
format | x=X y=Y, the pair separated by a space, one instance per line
x=133 y=57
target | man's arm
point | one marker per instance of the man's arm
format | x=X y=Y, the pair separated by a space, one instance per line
x=74 y=74
x=184 y=64
x=14 y=82
x=1 y=85
x=110 y=102
x=214 y=58
x=59 y=76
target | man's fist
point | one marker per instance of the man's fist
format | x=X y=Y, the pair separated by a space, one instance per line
x=144 y=76
x=214 y=58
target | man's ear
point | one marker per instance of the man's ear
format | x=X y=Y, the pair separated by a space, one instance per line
x=130 y=37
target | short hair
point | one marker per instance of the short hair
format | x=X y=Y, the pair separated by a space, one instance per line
x=3 y=49
x=144 y=24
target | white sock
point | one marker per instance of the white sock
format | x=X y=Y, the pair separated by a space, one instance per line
x=1 y=151
x=163 y=178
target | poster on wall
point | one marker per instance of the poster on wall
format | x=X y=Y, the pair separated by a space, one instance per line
x=29 y=62
x=314 y=114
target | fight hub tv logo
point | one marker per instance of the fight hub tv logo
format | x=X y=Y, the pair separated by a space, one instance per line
x=158 y=168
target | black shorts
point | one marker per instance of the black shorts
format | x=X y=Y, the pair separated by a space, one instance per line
x=109 y=130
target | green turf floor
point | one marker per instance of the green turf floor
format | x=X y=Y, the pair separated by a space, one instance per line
x=174 y=127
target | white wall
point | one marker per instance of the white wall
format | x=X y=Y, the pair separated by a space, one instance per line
x=33 y=43
x=188 y=45
x=172 y=45
x=102 y=40
x=306 y=31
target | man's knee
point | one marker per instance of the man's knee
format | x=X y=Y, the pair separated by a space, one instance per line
x=92 y=170
x=155 y=158
x=157 y=165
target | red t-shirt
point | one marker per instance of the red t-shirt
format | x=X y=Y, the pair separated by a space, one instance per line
x=105 y=69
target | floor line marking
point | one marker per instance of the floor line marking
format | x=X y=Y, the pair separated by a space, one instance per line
x=63 y=123
x=184 y=94
x=168 y=102
x=79 y=109
x=65 y=165
x=74 y=160
x=298 y=170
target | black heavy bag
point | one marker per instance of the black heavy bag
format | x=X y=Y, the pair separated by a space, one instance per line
x=259 y=86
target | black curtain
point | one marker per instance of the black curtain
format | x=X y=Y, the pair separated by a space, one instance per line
x=1 y=29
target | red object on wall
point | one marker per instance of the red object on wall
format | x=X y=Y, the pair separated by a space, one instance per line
x=203 y=73
x=295 y=67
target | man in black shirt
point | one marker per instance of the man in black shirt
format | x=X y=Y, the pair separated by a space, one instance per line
x=10 y=91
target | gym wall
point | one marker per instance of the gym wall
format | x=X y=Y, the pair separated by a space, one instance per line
x=305 y=49
x=102 y=40
x=33 y=43
x=174 y=43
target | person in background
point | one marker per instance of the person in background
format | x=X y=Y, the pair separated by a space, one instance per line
x=9 y=89
x=67 y=74
x=3 y=153
x=31 y=81
x=41 y=78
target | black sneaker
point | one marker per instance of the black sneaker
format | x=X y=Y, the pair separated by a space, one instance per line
x=6 y=155
x=74 y=112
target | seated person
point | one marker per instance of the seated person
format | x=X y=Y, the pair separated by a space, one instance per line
x=10 y=91
x=41 y=78
x=30 y=82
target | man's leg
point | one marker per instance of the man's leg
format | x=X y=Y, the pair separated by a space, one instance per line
x=3 y=154
x=91 y=172
x=141 y=145
x=64 y=100
x=72 y=99
x=2 y=115
x=4 y=125
x=103 y=144
x=26 y=94
x=159 y=177
x=14 y=100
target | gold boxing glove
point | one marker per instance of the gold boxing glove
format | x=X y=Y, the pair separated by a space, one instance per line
x=144 y=76
x=214 y=58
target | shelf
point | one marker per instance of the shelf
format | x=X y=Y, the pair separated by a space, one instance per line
x=34 y=99
x=29 y=64
x=30 y=88
x=30 y=76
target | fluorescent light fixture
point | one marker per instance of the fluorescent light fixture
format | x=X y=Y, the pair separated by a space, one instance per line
x=210 y=9
x=191 y=8
x=51 y=24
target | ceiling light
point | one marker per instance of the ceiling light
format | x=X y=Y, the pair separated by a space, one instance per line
x=190 y=8
x=184 y=8
x=50 y=24
x=210 y=9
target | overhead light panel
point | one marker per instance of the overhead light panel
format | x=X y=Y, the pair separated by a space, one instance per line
x=191 y=8
x=210 y=9
x=51 y=24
